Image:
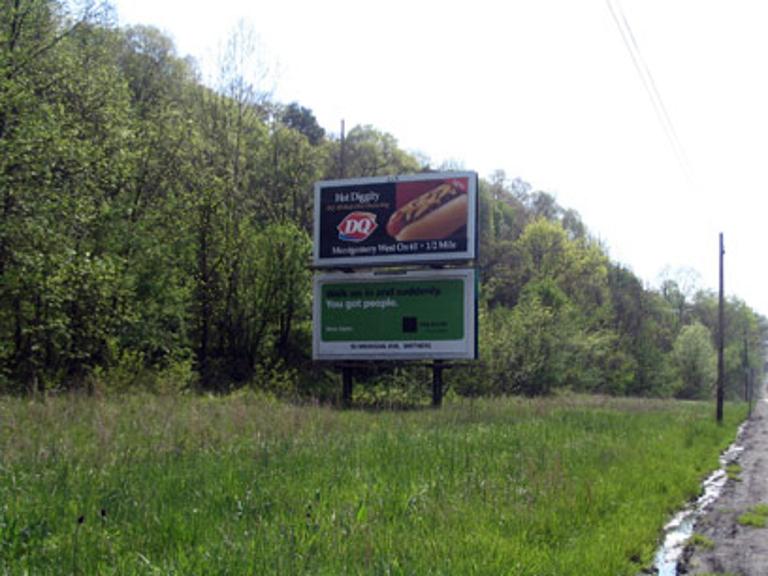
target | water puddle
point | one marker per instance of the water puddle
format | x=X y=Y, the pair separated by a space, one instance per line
x=679 y=529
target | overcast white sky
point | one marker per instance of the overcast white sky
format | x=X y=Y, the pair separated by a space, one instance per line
x=544 y=90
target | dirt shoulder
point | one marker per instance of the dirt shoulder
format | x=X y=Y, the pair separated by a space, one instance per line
x=738 y=549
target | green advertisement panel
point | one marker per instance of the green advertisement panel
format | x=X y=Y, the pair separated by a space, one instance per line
x=429 y=314
x=412 y=310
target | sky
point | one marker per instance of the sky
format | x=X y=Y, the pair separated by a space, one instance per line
x=547 y=91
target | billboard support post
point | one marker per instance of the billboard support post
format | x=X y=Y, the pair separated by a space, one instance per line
x=346 y=386
x=437 y=383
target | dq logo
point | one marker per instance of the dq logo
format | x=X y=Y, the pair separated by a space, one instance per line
x=357 y=226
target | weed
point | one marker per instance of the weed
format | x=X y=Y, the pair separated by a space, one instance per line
x=700 y=541
x=756 y=517
x=761 y=509
x=733 y=472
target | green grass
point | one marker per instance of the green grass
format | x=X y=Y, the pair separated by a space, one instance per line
x=756 y=517
x=701 y=541
x=733 y=471
x=243 y=485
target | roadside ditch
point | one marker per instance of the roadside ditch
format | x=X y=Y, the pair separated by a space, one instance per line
x=680 y=528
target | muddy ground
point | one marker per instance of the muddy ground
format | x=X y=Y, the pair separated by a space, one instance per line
x=733 y=548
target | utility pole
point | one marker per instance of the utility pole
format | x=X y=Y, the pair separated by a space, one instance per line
x=721 y=340
x=342 y=155
x=745 y=365
x=346 y=371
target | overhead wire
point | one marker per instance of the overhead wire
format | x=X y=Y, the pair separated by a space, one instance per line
x=644 y=71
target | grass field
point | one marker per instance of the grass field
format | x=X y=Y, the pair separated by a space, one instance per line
x=244 y=485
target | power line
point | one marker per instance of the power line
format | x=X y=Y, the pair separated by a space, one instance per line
x=644 y=71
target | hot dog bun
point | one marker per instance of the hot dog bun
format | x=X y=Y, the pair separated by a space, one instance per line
x=440 y=223
x=433 y=215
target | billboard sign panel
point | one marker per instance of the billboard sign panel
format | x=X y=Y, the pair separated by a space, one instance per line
x=427 y=217
x=411 y=315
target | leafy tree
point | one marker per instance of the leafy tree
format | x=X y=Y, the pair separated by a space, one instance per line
x=289 y=166
x=368 y=152
x=153 y=228
x=544 y=251
x=303 y=121
x=694 y=359
x=528 y=347
x=742 y=326
x=62 y=136
x=645 y=327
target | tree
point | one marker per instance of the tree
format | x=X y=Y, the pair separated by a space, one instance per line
x=303 y=121
x=63 y=133
x=153 y=226
x=678 y=287
x=527 y=349
x=154 y=232
x=288 y=166
x=369 y=152
x=544 y=251
x=694 y=358
x=645 y=327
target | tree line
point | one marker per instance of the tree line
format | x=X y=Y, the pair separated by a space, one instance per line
x=155 y=232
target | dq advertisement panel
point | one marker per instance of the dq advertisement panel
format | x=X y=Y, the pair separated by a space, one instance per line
x=397 y=219
x=412 y=315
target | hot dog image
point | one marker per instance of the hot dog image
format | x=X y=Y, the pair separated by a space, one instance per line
x=433 y=215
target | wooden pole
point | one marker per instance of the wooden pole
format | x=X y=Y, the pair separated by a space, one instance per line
x=721 y=340
x=746 y=367
x=346 y=386
x=342 y=153
x=346 y=371
x=437 y=383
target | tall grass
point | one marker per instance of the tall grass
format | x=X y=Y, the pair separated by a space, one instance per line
x=244 y=485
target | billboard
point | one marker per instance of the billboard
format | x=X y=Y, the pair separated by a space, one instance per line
x=383 y=316
x=429 y=217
